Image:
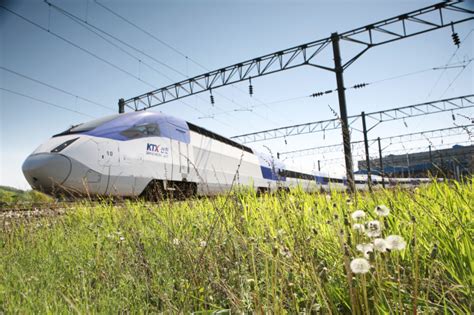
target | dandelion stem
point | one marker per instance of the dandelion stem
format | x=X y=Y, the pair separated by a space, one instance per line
x=416 y=271
x=364 y=290
x=399 y=286
x=354 y=305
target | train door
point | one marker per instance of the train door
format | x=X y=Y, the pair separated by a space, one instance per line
x=108 y=153
x=183 y=149
x=109 y=160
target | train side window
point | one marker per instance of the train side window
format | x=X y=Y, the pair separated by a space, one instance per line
x=141 y=131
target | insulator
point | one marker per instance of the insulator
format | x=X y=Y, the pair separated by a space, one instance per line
x=328 y=91
x=317 y=94
x=456 y=39
x=251 y=89
x=361 y=85
x=212 y=99
x=454 y=117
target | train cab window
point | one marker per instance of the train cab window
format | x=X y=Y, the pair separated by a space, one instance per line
x=141 y=131
x=88 y=126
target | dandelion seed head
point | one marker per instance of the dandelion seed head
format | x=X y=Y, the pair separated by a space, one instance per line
x=359 y=227
x=365 y=249
x=434 y=251
x=176 y=241
x=373 y=229
x=382 y=210
x=360 y=265
x=395 y=242
x=358 y=214
x=203 y=243
x=380 y=245
x=285 y=252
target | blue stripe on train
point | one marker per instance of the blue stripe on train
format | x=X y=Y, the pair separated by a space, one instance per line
x=321 y=180
x=267 y=173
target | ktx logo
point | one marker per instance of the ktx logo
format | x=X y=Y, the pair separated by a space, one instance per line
x=157 y=150
x=150 y=147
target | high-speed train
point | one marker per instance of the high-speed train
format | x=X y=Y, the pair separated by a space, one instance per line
x=148 y=153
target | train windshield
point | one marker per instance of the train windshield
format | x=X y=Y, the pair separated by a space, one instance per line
x=88 y=126
x=132 y=126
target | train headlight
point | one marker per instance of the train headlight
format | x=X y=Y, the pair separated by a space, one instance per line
x=63 y=145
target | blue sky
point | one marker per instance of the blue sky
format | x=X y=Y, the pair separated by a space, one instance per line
x=216 y=34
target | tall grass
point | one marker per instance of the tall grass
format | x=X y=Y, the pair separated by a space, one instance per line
x=287 y=252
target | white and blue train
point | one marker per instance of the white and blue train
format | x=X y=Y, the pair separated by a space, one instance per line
x=147 y=153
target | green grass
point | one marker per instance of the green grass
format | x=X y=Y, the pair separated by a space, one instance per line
x=241 y=252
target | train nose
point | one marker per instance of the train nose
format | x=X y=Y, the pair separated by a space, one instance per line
x=46 y=172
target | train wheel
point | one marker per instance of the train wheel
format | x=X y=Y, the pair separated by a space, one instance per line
x=185 y=190
x=154 y=191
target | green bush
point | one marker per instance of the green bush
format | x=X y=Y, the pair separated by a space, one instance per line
x=11 y=196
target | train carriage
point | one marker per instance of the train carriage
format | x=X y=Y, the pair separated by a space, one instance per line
x=140 y=152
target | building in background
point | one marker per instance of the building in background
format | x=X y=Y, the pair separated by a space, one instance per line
x=455 y=162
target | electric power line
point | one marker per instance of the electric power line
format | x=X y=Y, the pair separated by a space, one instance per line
x=449 y=60
x=183 y=55
x=89 y=26
x=46 y=102
x=356 y=86
x=77 y=46
x=54 y=87
x=456 y=77
x=86 y=51
x=151 y=35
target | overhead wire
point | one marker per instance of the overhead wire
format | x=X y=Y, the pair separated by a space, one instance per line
x=86 y=51
x=45 y=102
x=449 y=60
x=94 y=29
x=455 y=78
x=185 y=56
x=77 y=20
x=173 y=49
x=91 y=27
x=150 y=34
x=54 y=87
x=448 y=66
x=76 y=46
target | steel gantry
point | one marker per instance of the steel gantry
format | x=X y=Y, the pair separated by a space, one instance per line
x=402 y=138
x=399 y=27
x=444 y=105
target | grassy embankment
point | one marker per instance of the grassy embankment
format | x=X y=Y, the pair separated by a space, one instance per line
x=13 y=196
x=273 y=253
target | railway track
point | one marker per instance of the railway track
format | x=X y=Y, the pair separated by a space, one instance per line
x=37 y=210
x=31 y=213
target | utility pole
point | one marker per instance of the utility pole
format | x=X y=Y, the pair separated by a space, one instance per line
x=382 y=172
x=121 y=106
x=367 y=157
x=346 y=137
x=431 y=160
